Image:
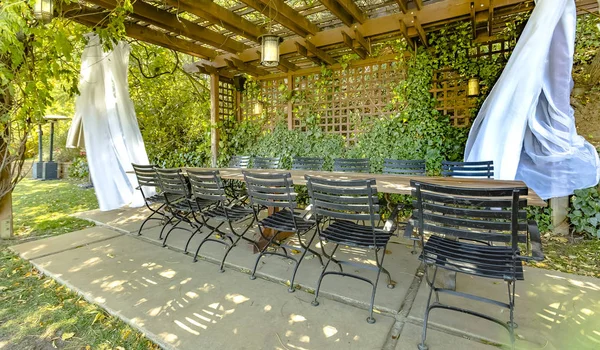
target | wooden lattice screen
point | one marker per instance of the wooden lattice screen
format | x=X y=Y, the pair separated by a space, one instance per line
x=450 y=90
x=226 y=100
x=344 y=100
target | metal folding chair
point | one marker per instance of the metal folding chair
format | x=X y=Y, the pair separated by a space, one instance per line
x=276 y=190
x=266 y=163
x=236 y=189
x=146 y=177
x=173 y=184
x=341 y=204
x=477 y=232
x=352 y=165
x=305 y=163
x=468 y=169
x=206 y=187
x=404 y=167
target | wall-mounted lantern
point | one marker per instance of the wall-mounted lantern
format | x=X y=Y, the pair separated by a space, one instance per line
x=473 y=87
x=258 y=108
x=43 y=10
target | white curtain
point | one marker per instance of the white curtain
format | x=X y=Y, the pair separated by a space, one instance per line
x=526 y=125
x=111 y=133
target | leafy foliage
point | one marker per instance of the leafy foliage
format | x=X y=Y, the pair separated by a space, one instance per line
x=585 y=212
x=542 y=216
x=79 y=168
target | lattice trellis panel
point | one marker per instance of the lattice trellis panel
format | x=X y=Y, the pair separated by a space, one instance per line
x=226 y=100
x=343 y=100
x=450 y=89
x=273 y=104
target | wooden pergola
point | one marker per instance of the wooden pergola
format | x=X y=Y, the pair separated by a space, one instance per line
x=224 y=34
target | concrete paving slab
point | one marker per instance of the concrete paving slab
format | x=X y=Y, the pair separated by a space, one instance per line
x=56 y=244
x=411 y=336
x=554 y=310
x=399 y=261
x=183 y=305
x=125 y=219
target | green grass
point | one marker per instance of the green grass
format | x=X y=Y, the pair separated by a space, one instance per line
x=35 y=311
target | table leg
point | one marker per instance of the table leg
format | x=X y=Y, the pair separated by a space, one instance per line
x=262 y=242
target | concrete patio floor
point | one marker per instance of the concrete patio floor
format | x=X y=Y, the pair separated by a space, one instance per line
x=184 y=305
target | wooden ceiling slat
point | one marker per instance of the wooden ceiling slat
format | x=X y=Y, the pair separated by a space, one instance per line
x=338 y=11
x=280 y=12
x=176 y=24
x=219 y=15
x=92 y=18
x=353 y=9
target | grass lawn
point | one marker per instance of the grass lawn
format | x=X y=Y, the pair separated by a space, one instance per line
x=36 y=312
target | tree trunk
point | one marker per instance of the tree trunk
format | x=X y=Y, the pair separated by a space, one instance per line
x=6 y=217
x=594 y=70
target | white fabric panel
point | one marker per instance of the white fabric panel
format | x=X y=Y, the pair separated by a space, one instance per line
x=112 y=137
x=526 y=125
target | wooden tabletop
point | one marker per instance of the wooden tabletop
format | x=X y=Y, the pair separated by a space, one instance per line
x=386 y=183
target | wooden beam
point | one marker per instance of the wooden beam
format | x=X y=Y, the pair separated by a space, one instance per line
x=418 y=4
x=214 y=118
x=334 y=7
x=322 y=55
x=280 y=66
x=350 y=44
x=248 y=68
x=287 y=64
x=92 y=18
x=174 y=23
x=403 y=5
x=353 y=9
x=219 y=15
x=490 y=25
x=282 y=13
x=360 y=39
x=421 y=32
x=302 y=51
x=404 y=33
x=432 y=14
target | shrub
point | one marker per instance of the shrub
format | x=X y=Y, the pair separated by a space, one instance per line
x=79 y=168
x=585 y=212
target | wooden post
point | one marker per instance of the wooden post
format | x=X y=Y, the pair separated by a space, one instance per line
x=6 y=217
x=214 y=118
x=238 y=106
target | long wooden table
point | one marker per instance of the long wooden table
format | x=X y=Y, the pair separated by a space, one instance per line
x=394 y=184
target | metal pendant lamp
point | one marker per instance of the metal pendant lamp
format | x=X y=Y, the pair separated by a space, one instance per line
x=269 y=46
x=43 y=10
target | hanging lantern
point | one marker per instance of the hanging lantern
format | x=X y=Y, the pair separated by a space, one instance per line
x=43 y=10
x=269 y=50
x=258 y=108
x=473 y=87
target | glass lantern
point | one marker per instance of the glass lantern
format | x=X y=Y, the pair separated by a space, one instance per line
x=43 y=10
x=269 y=53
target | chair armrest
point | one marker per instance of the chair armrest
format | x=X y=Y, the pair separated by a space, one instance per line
x=536 y=243
x=307 y=213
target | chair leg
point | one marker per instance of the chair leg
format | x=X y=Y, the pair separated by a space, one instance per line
x=185 y=250
x=263 y=250
x=422 y=345
x=329 y=259
x=233 y=243
x=160 y=236
x=371 y=319
x=511 y=324
x=169 y=232
x=305 y=250
x=214 y=229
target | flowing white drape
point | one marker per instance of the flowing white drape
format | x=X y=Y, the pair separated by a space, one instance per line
x=526 y=125
x=111 y=133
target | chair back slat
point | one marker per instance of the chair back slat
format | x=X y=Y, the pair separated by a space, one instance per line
x=353 y=165
x=344 y=199
x=172 y=182
x=206 y=185
x=404 y=167
x=489 y=215
x=266 y=163
x=240 y=162
x=146 y=175
x=304 y=163
x=271 y=190
x=468 y=169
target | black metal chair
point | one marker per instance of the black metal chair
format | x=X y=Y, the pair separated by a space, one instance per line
x=477 y=232
x=341 y=204
x=233 y=188
x=468 y=169
x=207 y=187
x=404 y=167
x=172 y=184
x=146 y=177
x=276 y=190
x=239 y=162
x=266 y=163
x=355 y=165
x=305 y=163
